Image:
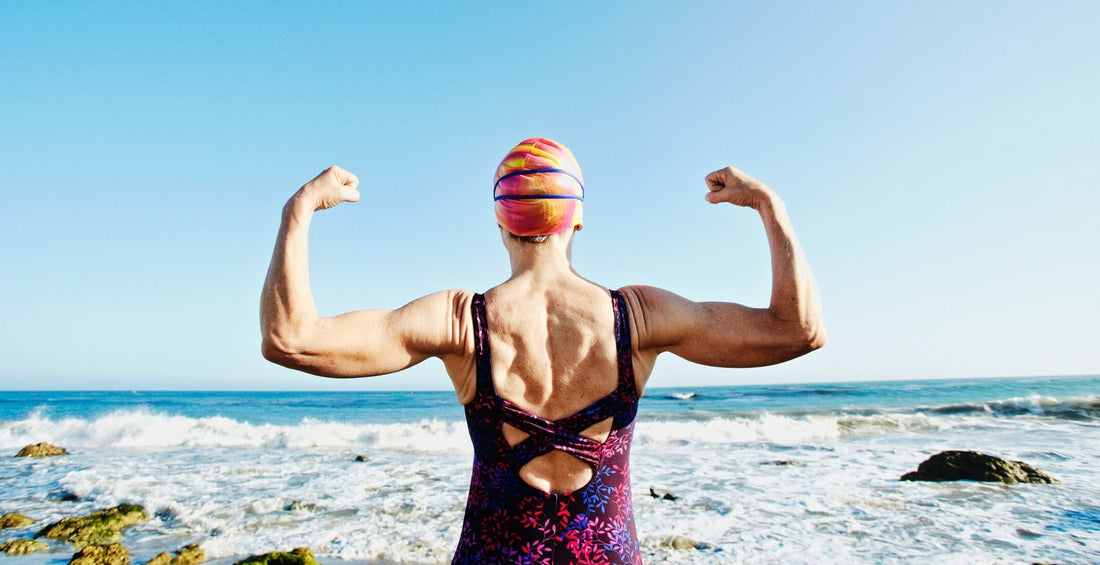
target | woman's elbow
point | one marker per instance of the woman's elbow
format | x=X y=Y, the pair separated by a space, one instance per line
x=304 y=356
x=278 y=351
x=804 y=337
x=813 y=336
x=818 y=339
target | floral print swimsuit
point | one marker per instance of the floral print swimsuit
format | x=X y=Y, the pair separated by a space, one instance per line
x=510 y=522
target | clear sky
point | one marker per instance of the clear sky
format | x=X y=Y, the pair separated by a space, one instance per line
x=940 y=162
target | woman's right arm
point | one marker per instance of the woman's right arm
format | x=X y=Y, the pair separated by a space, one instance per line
x=356 y=344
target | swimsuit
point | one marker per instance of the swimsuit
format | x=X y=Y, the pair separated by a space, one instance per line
x=510 y=522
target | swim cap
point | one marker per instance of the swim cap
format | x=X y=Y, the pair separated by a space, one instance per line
x=538 y=189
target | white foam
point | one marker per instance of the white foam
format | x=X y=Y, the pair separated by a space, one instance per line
x=144 y=429
x=763 y=488
x=764 y=428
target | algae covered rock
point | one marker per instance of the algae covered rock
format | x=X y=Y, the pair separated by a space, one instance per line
x=975 y=466
x=99 y=527
x=683 y=543
x=162 y=558
x=678 y=542
x=24 y=547
x=189 y=555
x=42 y=449
x=108 y=554
x=13 y=520
x=299 y=556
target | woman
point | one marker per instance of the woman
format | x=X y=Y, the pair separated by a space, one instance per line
x=548 y=365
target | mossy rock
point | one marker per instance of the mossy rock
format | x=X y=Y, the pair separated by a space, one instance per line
x=13 y=520
x=190 y=555
x=42 y=449
x=680 y=543
x=99 y=527
x=162 y=558
x=299 y=556
x=107 y=554
x=24 y=547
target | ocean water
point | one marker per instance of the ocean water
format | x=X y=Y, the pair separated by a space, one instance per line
x=762 y=474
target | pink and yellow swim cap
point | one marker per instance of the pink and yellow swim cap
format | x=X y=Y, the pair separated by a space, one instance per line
x=538 y=189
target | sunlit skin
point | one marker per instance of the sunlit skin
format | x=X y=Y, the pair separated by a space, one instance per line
x=550 y=329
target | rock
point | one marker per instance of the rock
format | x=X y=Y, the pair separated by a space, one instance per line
x=99 y=527
x=781 y=463
x=108 y=554
x=24 y=547
x=667 y=496
x=974 y=466
x=162 y=558
x=190 y=555
x=679 y=542
x=361 y=458
x=41 y=450
x=299 y=506
x=300 y=556
x=14 y=520
x=64 y=496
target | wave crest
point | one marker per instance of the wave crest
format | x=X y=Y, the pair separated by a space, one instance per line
x=1077 y=409
x=141 y=428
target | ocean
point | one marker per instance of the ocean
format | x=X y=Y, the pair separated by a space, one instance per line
x=803 y=473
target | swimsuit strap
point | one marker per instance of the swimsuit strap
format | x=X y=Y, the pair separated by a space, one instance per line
x=624 y=349
x=545 y=435
x=482 y=359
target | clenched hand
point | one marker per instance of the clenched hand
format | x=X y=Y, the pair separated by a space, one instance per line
x=330 y=188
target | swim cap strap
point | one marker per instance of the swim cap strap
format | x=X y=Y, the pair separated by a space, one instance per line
x=533 y=196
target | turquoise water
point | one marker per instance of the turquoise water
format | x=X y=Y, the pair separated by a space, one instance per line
x=700 y=402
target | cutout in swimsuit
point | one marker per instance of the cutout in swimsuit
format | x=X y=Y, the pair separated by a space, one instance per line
x=507 y=520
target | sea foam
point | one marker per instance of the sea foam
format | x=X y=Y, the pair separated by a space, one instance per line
x=789 y=484
x=141 y=428
x=144 y=428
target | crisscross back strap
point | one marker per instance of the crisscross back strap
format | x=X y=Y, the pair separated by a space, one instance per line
x=545 y=436
x=564 y=435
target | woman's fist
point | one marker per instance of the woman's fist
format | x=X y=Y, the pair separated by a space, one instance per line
x=734 y=186
x=333 y=186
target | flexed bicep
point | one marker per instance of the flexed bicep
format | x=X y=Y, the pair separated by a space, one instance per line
x=376 y=342
x=718 y=334
x=726 y=334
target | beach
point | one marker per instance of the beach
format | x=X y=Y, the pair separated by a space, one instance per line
x=756 y=474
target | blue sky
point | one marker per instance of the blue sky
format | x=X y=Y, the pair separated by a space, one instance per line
x=940 y=163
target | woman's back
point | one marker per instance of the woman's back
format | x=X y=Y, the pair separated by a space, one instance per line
x=553 y=355
x=550 y=487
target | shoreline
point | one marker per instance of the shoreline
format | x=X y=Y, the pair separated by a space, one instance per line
x=768 y=486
